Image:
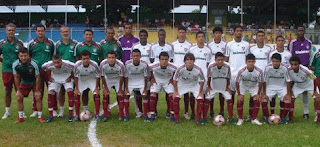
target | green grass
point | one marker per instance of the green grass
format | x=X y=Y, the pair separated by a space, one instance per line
x=159 y=133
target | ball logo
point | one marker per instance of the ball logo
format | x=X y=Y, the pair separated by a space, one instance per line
x=94 y=50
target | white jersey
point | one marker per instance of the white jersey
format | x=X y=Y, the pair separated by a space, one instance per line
x=217 y=47
x=285 y=56
x=261 y=54
x=248 y=78
x=86 y=73
x=180 y=49
x=237 y=51
x=60 y=75
x=162 y=75
x=203 y=57
x=144 y=49
x=303 y=78
x=156 y=49
x=112 y=72
x=219 y=76
x=188 y=78
x=276 y=78
x=136 y=73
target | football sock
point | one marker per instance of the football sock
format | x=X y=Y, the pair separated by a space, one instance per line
x=240 y=109
x=176 y=108
x=97 y=103
x=199 y=109
x=265 y=110
x=206 y=108
x=121 y=105
x=145 y=107
x=77 y=104
x=71 y=101
x=230 y=108
x=152 y=104
x=105 y=105
x=256 y=106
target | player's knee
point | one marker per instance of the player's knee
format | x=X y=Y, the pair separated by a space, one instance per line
x=317 y=101
x=68 y=90
x=19 y=97
x=52 y=92
x=153 y=94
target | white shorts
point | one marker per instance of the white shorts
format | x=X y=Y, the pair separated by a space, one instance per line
x=57 y=86
x=212 y=93
x=297 y=91
x=131 y=89
x=84 y=85
x=194 y=90
x=280 y=93
x=252 y=90
x=115 y=84
x=168 y=88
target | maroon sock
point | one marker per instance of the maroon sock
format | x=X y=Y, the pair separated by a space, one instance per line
x=77 y=104
x=272 y=105
x=199 y=108
x=186 y=102
x=221 y=100
x=318 y=112
x=171 y=100
x=126 y=105
x=145 y=107
x=211 y=106
x=286 y=109
x=105 y=105
x=70 y=101
x=291 y=110
x=168 y=103
x=176 y=108
x=256 y=106
x=51 y=98
x=192 y=104
x=120 y=104
x=281 y=108
x=97 y=103
x=240 y=109
x=206 y=108
x=251 y=106
x=139 y=102
x=152 y=104
x=265 y=110
x=230 y=108
x=232 y=99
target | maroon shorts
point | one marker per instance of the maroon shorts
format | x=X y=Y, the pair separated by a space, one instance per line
x=8 y=80
x=26 y=89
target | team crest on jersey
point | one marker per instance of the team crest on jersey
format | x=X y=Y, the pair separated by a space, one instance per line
x=47 y=47
x=317 y=56
x=185 y=49
x=115 y=48
x=243 y=48
x=71 y=46
x=255 y=78
x=30 y=69
x=94 y=50
x=303 y=78
x=205 y=54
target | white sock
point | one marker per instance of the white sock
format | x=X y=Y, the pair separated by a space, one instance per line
x=85 y=107
x=8 y=109
x=305 y=100
x=20 y=114
x=61 y=108
x=39 y=114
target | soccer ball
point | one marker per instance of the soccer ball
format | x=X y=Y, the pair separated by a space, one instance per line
x=85 y=115
x=218 y=120
x=274 y=119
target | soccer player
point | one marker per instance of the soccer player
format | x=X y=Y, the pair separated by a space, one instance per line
x=26 y=78
x=127 y=40
x=304 y=81
x=278 y=83
x=236 y=51
x=285 y=57
x=188 y=78
x=65 y=48
x=181 y=47
x=136 y=79
x=9 y=51
x=112 y=75
x=155 y=50
x=86 y=77
x=249 y=79
x=217 y=45
x=41 y=50
x=218 y=82
x=110 y=44
x=315 y=66
x=161 y=78
x=301 y=47
x=95 y=54
x=61 y=75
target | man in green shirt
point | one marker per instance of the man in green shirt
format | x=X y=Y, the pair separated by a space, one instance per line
x=65 y=48
x=96 y=55
x=26 y=70
x=111 y=44
x=9 y=51
x=41 y=50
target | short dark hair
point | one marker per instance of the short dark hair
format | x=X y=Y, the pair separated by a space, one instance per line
x=217 y=29
x=301 y=26
x=22 y=50
x=261 y=32
x=279 y=37
x=190 y=56
x=294 y=59
x=143 y=31
x=56 y=57
x=127 y=24
x=276 y=56
x=182 y=28
x=162 y=30
x=200 y=32
x=237 y=26
x=109 y=28
x=136 y=51
x=85 y=53
x=87 y=30
x=40 y=26
x=250 y=57
x=111 y=53
x=165 y=54
x=218 y=54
